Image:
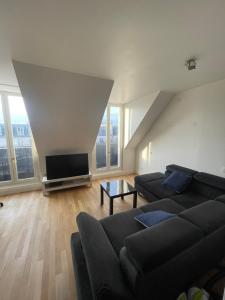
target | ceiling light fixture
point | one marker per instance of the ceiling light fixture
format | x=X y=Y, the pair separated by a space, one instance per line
x=191 y=64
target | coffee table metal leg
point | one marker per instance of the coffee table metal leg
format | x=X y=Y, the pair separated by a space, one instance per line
x=102 y=195
x=135 y=200
x=111 y=206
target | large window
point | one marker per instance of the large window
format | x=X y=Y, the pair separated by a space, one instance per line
x=101 y=144
x=5 y=173
x=108 y=145
x=16 y=143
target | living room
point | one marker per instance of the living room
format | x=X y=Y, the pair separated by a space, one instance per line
x=112 y=150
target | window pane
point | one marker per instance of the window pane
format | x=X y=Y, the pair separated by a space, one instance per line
x=101 y=144
x=114 y=136
x=4 y=158
x=21 y=137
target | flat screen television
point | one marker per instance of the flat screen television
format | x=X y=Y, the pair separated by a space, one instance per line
x=63 y=166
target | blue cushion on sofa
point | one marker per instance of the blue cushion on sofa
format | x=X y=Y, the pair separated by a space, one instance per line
x=178 y=181
x=153 y=217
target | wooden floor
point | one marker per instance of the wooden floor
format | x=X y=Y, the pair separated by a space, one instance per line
x=35 y=255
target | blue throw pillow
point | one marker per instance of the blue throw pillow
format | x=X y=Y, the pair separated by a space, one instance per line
x=153 y=217
x=177 y=181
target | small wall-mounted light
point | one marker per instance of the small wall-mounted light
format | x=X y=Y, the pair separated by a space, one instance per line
x=191 y=64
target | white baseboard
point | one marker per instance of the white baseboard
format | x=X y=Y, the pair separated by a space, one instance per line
x=14 y=189
x=97 y=176
x=7 y=190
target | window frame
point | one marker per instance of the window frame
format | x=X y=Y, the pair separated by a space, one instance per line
x=10 y=145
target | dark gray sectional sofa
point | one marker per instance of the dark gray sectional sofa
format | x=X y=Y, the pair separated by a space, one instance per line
x=116 y=258
x=203 y=187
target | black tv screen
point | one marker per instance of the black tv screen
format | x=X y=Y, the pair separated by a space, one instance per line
x=70 y=165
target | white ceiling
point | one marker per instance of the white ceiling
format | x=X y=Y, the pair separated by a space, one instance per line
x=142 y=45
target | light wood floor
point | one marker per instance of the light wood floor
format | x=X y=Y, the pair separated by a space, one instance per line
x=35 y=255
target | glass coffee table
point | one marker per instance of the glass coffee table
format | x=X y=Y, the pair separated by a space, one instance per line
x=117 y=189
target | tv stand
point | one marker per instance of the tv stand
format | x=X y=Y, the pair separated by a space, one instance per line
x=65 y=183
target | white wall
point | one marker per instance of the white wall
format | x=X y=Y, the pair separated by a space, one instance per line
x=158 y=103
x=134 y=113
x=129 y=164
x=65 y=109
x=189 y=132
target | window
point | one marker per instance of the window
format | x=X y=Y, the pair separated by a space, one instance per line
x=16 y=143
x=107 y=150
x=5 y=173
x=101 y=147
x=2 y=131
x=114 y=136
x=20 y=129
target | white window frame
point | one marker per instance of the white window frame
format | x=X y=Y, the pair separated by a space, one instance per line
x=109 y=168
x=10 y=146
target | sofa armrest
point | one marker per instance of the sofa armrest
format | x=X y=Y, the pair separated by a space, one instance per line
x=153 y=246
x=83 y=287
x=106 y=278
x=148 y=177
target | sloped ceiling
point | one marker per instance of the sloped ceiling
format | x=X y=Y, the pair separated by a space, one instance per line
x=141 y=45
x=65 y=109
x=144 y=115
x=135 y=112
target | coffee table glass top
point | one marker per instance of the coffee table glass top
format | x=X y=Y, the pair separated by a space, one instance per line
x=117 y=188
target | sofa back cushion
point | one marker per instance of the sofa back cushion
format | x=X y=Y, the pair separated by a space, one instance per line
x=208 y=216
x=152 y=247
x=173 y=277
x=173 y=167
x=210 y=186
x=119 y=226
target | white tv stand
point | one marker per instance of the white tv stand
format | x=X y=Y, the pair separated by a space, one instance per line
x=65 y=183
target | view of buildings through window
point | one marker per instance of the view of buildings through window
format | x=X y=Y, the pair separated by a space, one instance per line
x=21 y=148
x=114 y=136
x=107 y=143
x=101 y=147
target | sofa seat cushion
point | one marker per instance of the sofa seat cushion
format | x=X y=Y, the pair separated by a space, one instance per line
x=158 y=189
x=189 y=199
x=119 y=226
x=167 y=205
x=142 y=179
x=145 y=193
x=208 y=216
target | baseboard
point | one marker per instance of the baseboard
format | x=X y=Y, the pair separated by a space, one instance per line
x=138 y=172
x=117 y=173
x=14 y=189
x=37 y=185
